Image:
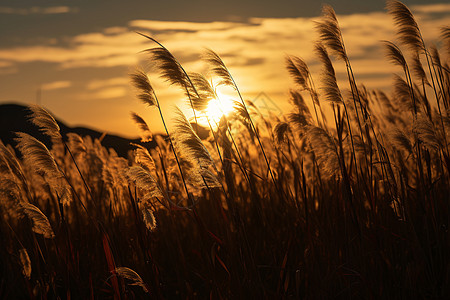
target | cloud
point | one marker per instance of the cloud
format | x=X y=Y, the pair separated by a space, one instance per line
x=109 y=93
x=432 y=8
x=56 y=85
x=35 y=10
x=183 y=26
x=100 y=84
x=254 y=50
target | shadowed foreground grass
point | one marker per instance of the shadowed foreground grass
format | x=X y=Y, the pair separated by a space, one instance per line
x=297 y=206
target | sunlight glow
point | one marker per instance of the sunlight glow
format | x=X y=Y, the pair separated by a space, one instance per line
x=217 y=108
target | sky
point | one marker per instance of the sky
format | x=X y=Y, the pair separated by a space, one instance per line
x=74 y=57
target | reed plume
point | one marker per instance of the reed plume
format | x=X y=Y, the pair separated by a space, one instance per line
x=400 y=140
x=41 y=225
x=394 y=54
x=330 y=33
x=148 y=218
x=188 y=143
x=25 y=262
x=131 y=275
x=143 y=157
x=298 y=70
x=204 y=92
x=146 y=134
x=46 y=123
x=145 y=181
x=218 y=68
x=37 y=155
x=408 y=30
x=146 y=93
x=76 y=143
x=426 y=132
x=329 y=82
x=325 y=149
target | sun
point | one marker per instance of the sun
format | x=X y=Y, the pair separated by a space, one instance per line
x=217 y=108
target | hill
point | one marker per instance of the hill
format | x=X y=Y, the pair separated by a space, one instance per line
x=15 y=118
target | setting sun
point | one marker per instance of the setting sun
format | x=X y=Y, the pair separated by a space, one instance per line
x=217 y=108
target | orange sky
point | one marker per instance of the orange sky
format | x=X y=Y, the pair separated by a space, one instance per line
x=85 y=81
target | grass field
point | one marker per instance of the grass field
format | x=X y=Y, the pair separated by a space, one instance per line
x=346 y=196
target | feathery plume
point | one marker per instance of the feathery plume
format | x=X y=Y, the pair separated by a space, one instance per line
x=146 y=134
x=143 y=157
x=76 y=144
x=425 y=131
x=399 y=139
x=46 y=123
x=203 y=92
x=445 y=35
x=330 y=87
x=169 y=67
x=330 y=33
x=418 y=70
x=148 y=218
x=25 y=262
x=325 y=150
x=41 y=225
x=188 y=143
x=203 y=178
x=218 y=68
x=394 y=54
x=37 y=155
x=145 y=181
x=408 y=30
x=298 y=101
x=131 y=275
x=298 y=70
x=11 y=160
x=281 y=130
x=141 y=82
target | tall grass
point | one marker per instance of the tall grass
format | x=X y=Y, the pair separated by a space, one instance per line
x=352 y=204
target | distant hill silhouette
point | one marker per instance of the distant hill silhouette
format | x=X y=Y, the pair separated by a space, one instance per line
x=14 y=118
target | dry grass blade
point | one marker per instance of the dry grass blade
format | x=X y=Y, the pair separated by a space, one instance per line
x=46 y=123
x=41 y=225
x=408 y=30
x=131 y=275
x=146 y=134
x=218 y=68
x=25 y=262
x=146 y=93
x=37 y=155
x=330 y=33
